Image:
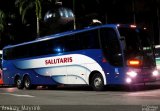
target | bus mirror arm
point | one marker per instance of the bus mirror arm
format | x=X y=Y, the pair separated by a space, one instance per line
x=122 y=38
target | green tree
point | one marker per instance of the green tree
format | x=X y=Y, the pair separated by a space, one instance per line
x=25 y=5
x=2 y=20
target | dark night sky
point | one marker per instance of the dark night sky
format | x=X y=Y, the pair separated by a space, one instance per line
x=108 y=11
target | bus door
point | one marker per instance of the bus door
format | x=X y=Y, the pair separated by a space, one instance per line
x=112 y=53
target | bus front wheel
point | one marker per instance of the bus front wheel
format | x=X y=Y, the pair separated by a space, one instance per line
x=97 y=82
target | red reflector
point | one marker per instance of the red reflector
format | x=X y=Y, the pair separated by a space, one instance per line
x=104 y=60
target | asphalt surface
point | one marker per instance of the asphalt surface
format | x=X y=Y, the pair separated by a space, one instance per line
x=117 y=98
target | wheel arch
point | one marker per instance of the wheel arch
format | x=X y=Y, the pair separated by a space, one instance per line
x=26 y=75
x=19 y=76
x=16 y=77
x=95 y=72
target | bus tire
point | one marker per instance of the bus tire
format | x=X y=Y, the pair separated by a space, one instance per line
x=19 y=83
x=97 y=82
x=27 y=83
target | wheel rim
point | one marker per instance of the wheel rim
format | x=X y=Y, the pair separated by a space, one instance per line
x=18 y=82
x=27 y=83
x=97 y=82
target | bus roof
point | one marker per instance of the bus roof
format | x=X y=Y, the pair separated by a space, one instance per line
x=62 y=34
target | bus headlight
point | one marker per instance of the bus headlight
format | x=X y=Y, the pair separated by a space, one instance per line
x=155 y=73
x=128 y=80
x=132 y=74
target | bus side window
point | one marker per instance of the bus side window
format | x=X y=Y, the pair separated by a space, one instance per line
x=44 y=48
x=58 y=46
x=8 y=54
x=20 y=52
x=4 y=56
x=72 y=43
x=89 y=39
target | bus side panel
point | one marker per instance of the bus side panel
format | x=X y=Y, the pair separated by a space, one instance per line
x=8 y=72
x=55 y=75
x=37 y=79
x=112 y=74
x=52 y=69
x=77 y=71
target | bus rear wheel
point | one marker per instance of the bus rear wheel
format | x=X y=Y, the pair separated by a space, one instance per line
x=19 y=83
x=27 y=83
x=97 y=82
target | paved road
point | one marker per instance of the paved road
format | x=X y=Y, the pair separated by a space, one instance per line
x=84 y=97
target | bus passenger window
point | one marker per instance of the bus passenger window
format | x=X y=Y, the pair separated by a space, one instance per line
x=58 y=46
x=89 y=39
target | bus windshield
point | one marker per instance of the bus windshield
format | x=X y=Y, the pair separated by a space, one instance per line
x=138 y=45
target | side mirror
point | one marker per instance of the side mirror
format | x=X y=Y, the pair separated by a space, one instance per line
x=122 y=38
